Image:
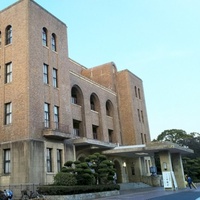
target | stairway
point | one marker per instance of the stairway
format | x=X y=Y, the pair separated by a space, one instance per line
x=130 y=186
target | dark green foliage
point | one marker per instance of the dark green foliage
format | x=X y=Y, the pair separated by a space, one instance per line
x=67 y=190
x=96 y=169
x=63 y=178
x=68 y=163
x=77 y=162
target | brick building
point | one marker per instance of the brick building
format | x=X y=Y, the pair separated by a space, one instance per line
x=52 y=109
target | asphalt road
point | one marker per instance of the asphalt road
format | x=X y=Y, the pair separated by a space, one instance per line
x=156 y=194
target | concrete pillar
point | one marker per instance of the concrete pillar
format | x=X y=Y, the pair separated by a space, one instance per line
x=165 y=161
x=178 y=169
x=124 y=172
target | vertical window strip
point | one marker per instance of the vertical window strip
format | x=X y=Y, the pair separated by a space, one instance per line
x=56 y=116
x=49 y=160
x=45 y=73
x=46 y=115
x=8 y=113
x=142 y=138
x=44 y=37
x=55 y=79
x=8 y=72
x=142 y=116
x=7 y=161
x=53 y=42
x=59 y=159
x=8 y=35
x=139 y=115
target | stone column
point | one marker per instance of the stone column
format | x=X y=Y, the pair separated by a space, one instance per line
x=178 y=169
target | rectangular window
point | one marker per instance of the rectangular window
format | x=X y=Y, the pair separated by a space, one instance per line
x=142 y=116
x=145 y=138
x=7 y=167
x=94 y=130
x=8 y=71
x=8 y=113
x=59 y=160
x=110 y=135
x=142 y=139
x=46 y=115
x=138 y=114
x=45 y=74
x=76 y=128
x=49 y=160
x=56 y=116
x=55 y=78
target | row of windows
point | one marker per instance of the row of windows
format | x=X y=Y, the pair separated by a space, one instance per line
x=45 y=39
x=49 y=160
x=8 y=37
x=95 y=131
x=46 y=75
x=76 y=98
x=8 y=114
x=137 y=92
x=9 y=68
x=144 y=138
x=47 y=116
x=140 y=115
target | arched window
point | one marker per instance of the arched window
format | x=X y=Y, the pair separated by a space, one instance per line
x=8 y=34
x=92 y=102
x=109 y=108
x=76 y=95
x=53 y=42
x=44 y=36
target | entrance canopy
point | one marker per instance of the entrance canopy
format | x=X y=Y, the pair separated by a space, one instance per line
x=147 y=149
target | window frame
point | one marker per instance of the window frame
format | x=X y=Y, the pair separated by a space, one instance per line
x=8 y=72
x=7 y=161
x=8 y=113
x=53 y=42
x=45 y=73
x=44 y=37
x=8 y=37
x=46 y=115
x=59 y=160
x=55 y=78
x=49 y=159
x=56 y=116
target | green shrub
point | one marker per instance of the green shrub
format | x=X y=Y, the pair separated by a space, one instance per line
x=68 y=163
x=69 y=190
x=63 y=178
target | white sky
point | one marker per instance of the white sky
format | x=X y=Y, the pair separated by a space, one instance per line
x=157 y=40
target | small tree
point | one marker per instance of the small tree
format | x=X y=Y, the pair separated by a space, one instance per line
x=96 y=169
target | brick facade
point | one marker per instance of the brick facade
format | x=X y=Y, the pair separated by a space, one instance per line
x=119 y=117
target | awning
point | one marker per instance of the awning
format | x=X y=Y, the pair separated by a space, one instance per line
x=147 y=149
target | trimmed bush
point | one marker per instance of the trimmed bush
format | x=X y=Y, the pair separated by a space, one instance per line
x=66 y=179
x=67 y=190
